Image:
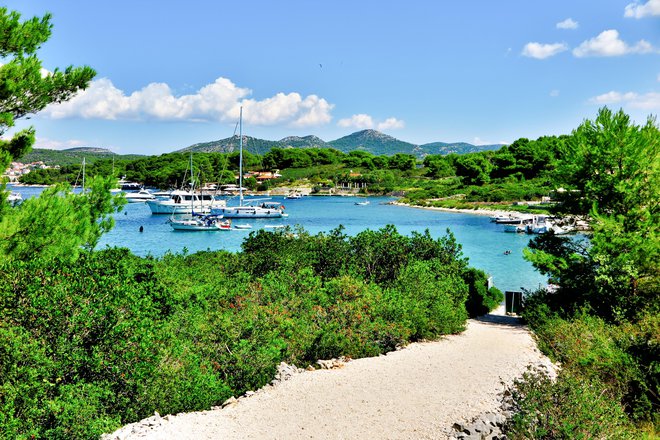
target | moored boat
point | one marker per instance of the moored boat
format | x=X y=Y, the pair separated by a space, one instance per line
x=253 y=209
x=185 y=202
x=201 y=223
x=139 y=196
x=14 y=198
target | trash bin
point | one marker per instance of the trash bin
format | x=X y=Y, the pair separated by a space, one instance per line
x=512 y=302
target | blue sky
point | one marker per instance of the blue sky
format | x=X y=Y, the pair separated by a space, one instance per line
x=172 y=73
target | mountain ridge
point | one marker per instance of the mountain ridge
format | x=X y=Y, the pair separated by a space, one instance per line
x=371 y=141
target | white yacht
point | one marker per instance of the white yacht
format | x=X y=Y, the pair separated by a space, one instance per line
x=185 y=202
x=139 y=196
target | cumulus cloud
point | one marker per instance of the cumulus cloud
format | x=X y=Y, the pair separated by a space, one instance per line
x=391 y=124
x=569 y=23
x=646 y=101
x=363 y=121
x=357 y=121
x=219 y=101
x=541 y=51
x=608 y=44
x=649 y=9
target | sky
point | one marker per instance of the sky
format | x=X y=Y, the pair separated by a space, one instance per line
x=174 y=73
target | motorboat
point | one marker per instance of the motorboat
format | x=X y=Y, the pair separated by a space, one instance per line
x=513 y=220
x=252 y=210
x=139 y=196
x=294 y=196
x=199 y=222
x=365 y=203
x=185 y=202
x=243 y=226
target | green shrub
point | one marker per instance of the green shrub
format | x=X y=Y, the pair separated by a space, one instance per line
x=569 y=408
x=481 y=299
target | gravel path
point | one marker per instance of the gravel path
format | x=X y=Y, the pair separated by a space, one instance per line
x=414 y=393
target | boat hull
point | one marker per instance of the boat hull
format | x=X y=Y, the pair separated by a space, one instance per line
x=248 y=212
x=171 y=207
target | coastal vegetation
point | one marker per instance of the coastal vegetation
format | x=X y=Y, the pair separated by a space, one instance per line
x=602 y=322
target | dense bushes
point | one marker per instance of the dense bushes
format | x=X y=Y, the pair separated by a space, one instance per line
x=602 y=321
x=86 y=346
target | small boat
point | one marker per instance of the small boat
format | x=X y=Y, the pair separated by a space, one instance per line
x=512 y=220
x=198 y=222
x=365 y=203
x=515 y=228
x=274 y=226
x=294 y=196
x=14 y=198
x=243 y=226
x=139 y=196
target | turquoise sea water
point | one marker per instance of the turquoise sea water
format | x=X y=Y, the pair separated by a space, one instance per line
x=483 y=242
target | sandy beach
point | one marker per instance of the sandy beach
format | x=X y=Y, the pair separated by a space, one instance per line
x=414 y=393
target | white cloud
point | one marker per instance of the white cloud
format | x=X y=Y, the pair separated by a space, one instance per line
x=542 y=51
x=650 y=8
x=391 y=124
x=357 y=121
x=608 y=44
x=646 y=101
x=363 y=121
x=219 y=101
x=554 y=93
x=569 y=23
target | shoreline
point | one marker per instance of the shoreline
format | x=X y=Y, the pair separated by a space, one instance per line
x=487 y=212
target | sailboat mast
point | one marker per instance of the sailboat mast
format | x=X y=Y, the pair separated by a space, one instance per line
x=192 y=187
x=240 y=159
x=83 y=175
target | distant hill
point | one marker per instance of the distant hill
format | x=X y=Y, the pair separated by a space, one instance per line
x=371 y=141
x=303 y=142
x=456 y=147
x=72 y=156
x=229 y=145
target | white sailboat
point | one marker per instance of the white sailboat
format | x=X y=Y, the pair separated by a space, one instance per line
x=257 y=208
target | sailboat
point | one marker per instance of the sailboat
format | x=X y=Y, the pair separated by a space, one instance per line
x=257 y=208
x=198 y=221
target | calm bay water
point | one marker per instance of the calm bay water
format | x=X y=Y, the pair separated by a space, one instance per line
x=483 y=242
